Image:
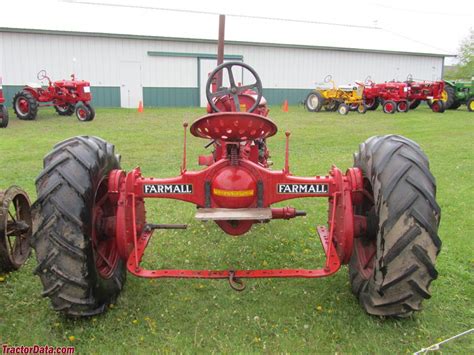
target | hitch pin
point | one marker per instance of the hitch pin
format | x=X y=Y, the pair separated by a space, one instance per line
x=235 y=283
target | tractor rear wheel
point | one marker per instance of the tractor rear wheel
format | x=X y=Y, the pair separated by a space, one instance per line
x=393 y=264
x=389 y=106
x=84 y=112
x=470 y=104
x=25 y=105
x=343 y=109
x=3 y=116
x=78 y=262
x=314 y=101
x=414 y=104
x=448 y=96
x=455 y=105
x=372 y=104
x=65 y=110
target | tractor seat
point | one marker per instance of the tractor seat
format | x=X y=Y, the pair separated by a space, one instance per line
x=34 y=85
x=347 y=87
x=233 y=126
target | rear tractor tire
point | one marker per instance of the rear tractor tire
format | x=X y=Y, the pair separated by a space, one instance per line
x=3 y=116
x=78 y=262
x=314 y=101
x=393 y=264
x=449 y=96
x=25 y=105
x=372 y=104
x=414 y=104
x=65 y=110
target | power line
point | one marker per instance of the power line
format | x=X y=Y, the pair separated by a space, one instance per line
x=200 y=12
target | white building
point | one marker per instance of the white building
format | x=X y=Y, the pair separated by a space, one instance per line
x=165 y=60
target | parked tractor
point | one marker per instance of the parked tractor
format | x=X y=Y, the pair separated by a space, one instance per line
x=15 y=228
x=458 y=93
x=91 y=225
x=336 y=98
x=3 y=109
x=392 y=96
x=430 y=91
x=67 y=97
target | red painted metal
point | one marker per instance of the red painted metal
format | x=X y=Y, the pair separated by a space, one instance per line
x=62 y=92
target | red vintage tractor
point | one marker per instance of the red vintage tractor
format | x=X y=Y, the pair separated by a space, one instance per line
x=67 y=97
x=3 y=109
x=90 y=224
x=430 y=91
x=392 y=96
x=15 y=228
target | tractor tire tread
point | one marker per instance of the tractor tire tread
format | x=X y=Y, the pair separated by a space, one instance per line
x=407 y=240
x=31 y=101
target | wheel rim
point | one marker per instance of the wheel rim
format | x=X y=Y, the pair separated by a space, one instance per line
x=402 y=106
x=23 y=106
x=444 y=96
x=104 y=245
x=15 y=226
x=435 y=106
x=389 y=107
x=82 y=114
x=313 y=102
x=365 y=247
x=471 y=105
x=343 y=110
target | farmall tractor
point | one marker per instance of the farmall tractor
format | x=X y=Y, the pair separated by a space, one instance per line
x=90 y=224
x=430 y=91
x=3 y=109
x=393 y=96
x=336 y=98
x=67 y=97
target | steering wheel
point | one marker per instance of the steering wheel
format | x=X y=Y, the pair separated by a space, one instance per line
x=43 y=75
x=328 y=78
x=368 y=81
x=409 y=77
x=233 y=90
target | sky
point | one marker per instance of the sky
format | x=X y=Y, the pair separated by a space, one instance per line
x=432 y=23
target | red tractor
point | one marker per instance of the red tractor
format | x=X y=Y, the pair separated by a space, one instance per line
x=90 y=224
x=67 y=97
x=430 y=91
x=392 y=96
x=3 y=109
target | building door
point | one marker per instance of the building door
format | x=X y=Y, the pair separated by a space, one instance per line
x=131 y=89
x=206 y=66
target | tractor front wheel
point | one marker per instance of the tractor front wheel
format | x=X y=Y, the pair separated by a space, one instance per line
x=437 y=106
x=393 y=263
x=25 y=105
x=314 y=101
x=84 y=112
x=343 y=109
x=389 y=106
x=65 y=110
x=78 y=260
x=470 y=104
x=361 y=108
x=402 y=106
x=3 y=116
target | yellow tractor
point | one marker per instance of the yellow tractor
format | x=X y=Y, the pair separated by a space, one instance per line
x=336 y=98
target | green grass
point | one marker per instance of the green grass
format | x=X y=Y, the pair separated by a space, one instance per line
x=294 y=315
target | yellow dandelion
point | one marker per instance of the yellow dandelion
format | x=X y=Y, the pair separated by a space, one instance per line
x=72 y=338
x=2 y=278
x=135 y=321
x=319 y=308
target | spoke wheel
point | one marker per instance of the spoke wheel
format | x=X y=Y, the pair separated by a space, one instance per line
x=15 y=228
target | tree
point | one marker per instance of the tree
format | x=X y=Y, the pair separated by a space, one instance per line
x=465 y=68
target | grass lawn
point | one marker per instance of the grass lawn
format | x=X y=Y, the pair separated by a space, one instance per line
x=297 y=315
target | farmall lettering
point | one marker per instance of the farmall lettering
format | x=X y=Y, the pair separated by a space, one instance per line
x=311 y=189
x=168 y=189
